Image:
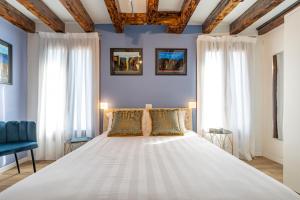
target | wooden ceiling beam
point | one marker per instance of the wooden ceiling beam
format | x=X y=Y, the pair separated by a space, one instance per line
x=79 y=13
x=255 y=12
x=152 y=9
x=161 y=18
x=15 y=17
x=218 y=14
x=188 y=8
x=277 y=20
x=166 y=14
x=43 y=12
x=166 y=18
x=115 y=15
x=134 y=19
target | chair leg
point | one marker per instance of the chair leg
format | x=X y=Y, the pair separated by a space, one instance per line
x=17 y=162
x=33 y=161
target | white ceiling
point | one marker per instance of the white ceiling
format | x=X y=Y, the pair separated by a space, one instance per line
x=139 y=6
x=166 y=5
x=99 y=14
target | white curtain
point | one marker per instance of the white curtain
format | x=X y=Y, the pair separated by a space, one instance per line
x=223 y=88
x=68 y=90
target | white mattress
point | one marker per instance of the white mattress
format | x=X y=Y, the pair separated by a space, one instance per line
x=183 y=167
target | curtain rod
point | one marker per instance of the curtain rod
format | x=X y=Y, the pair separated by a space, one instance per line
x=228 y=34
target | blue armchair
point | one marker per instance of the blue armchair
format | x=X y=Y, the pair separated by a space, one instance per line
x=16 y=137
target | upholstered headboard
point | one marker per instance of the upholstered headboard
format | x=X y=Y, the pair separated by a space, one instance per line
x=188 y=116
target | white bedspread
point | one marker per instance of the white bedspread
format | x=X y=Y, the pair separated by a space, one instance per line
x=183 y=167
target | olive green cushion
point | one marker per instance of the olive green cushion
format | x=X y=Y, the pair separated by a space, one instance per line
x=126 y=123
x=165 y=122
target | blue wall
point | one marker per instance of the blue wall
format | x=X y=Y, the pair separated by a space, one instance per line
x=13 y=97
x=136 y=91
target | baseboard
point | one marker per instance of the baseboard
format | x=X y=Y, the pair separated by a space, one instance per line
x=13 y=164
x=258 y=153
x=274 y=158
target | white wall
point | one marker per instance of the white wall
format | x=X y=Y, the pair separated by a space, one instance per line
x=291 y=113
x=267 y=46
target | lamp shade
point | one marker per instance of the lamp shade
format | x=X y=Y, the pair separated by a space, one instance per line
x=192 y=104
x=103 y=105
x=148 y=106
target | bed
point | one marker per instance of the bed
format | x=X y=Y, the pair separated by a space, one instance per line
x=146 y=167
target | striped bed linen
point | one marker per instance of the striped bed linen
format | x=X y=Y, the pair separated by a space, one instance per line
x=176 y=167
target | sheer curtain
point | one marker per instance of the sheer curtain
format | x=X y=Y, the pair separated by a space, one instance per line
x=68 y=90
x=224 y=88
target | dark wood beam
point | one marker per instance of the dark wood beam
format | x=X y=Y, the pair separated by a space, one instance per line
x=277 y=20
x=255 y=12
x=218 y=14
x=43 y=12
x=166 y=18
x=115 y=15
x=176 y=21
x=152 y=9
x=134 y=19
x=161 y=18
x=15 y=17
x=188 y=8
x=79 y=13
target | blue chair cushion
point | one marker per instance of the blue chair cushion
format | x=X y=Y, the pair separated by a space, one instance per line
x=79 y=139
x=10 y=148
x=2 y=132
x=12 y=132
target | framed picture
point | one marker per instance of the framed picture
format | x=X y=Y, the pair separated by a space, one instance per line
x=126 y=61
x=5 y=62
x=171 y=61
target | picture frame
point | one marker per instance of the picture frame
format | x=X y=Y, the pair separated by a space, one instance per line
x=126 y=61
x=170 y=61
x=6 y=63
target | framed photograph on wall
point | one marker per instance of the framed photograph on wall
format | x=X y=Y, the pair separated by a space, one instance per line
x=126 y=61
x=5 y=62
x=171 y=61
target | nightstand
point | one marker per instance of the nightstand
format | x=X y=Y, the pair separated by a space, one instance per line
x=75 y=143
x=222 y=138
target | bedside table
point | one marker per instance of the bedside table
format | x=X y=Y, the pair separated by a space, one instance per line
x=222 y=138
x=75 y=143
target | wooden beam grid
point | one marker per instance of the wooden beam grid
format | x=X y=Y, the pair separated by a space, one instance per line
x=175 y=21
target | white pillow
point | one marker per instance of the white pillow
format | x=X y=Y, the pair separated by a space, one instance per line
x=146 y=123
x=181 y=115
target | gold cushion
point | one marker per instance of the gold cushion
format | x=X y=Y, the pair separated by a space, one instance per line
x=165 y=122
x=126 y=123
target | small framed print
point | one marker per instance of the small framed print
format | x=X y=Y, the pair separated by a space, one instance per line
x=5 y=62
x=126 y=61
x=171 y=61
